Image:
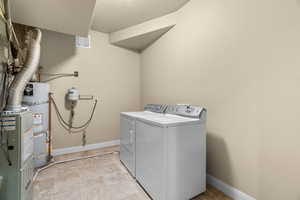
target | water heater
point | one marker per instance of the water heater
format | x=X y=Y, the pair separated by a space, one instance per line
x=36 y=97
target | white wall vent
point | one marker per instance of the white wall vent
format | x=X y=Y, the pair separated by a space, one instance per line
x=83 y=42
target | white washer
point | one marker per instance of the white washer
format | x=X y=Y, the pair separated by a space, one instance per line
x=171 y=153
x=128 y=121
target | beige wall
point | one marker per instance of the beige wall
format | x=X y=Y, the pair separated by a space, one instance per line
x=109 y=73
x=240 y=59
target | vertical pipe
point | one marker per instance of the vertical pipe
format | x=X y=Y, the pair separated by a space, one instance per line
x=39 y=76
x=8 y=18
x=49 y=126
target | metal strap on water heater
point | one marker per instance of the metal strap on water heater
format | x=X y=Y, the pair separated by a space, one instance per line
x=1 y=179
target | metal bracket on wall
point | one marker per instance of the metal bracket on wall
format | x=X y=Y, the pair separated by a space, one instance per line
x=86 y=97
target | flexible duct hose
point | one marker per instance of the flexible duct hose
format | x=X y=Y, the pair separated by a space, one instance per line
x=22 y=78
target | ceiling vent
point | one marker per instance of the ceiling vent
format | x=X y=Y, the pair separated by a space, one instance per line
x=83 y=42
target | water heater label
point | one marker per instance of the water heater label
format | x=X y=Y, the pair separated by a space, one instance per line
x=37 y=119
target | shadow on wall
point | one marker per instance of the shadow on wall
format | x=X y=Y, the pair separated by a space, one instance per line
x=56 y=49
x=218 y=158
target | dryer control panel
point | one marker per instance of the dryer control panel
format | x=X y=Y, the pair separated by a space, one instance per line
x=186 y=110
x=157 y=108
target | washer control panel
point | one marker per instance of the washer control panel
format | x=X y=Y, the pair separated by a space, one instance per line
x=157 y=108
x=186 y=110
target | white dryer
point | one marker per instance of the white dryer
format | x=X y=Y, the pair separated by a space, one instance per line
x=171 y=153
x=127 y=135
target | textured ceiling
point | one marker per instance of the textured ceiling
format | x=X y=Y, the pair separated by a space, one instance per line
x=113 y=15
x=64 y=16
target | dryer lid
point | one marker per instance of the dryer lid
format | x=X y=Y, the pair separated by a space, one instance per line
x=157 y=108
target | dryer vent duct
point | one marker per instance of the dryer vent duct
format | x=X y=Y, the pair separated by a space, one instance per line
x=22 y=78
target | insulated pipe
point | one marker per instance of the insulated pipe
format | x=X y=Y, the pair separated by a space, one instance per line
x=22 y=78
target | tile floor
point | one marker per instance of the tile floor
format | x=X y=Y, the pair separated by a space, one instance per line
x=100 y=178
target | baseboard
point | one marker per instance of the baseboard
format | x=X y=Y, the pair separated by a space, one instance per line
x=58 y=152
x=227 y=189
